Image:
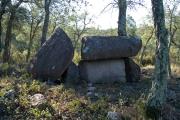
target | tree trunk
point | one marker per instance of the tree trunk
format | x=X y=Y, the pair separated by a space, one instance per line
x=2 y=11
x=46 y=21
x=169 y=59
x=144 y=48
x=122 y=17
x=170 y=39
x=30 y=41
x=157 y=96
x=31 y=37
x=172 y=34
x=1 y=33
x=7 y=46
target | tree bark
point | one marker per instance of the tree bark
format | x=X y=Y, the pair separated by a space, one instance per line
x=2 y=11
x=157 y=96
x=31 y=37
x=7 y=45
x=122 y=17
x=6 y=54
x=1 y=33
x=46 y=21
x=172 y=32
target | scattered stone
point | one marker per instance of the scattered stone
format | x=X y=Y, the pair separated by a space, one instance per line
x=90 y=94
x=113 y=116
x=91 y=88
x=54 y=57
x=10 y=94
x=90 y=84
x=133 y=70
x=103 y=71
x=171 y=96
x=109 y=47
x=71 y=75
x=93 y=96
x=37 y=99
x=96 y=94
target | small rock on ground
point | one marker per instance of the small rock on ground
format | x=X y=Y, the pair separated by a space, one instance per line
x=10 y=94
x=37 y=99
x=113 y=116
x=91 y=89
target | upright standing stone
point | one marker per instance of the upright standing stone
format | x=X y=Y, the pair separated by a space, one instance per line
x=54 y=56
x=71 y=75
x=109 y=47
x=103 y=71
x=133 y=70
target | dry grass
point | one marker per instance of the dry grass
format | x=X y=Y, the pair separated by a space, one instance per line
x=149 y=70
x=175 y=70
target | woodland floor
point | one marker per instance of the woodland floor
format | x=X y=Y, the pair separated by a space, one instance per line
x=70 y=102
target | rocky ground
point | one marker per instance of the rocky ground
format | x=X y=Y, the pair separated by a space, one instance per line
x=22 y=97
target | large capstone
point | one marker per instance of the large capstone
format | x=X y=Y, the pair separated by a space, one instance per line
x=133 y=70
x=108 y=47
x=103 y=71
x=54 y=56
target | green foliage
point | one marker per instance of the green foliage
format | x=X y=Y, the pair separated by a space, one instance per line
x=19 y=57
x=146 y=112
x=76 y=58
x=100 y=108
x=140 y=106
x=7 y=69
x=4 y=66
x=38 y=114
x=74 y=105
x=35 y=87
x=153 y=113
x=131 y=26
x=43 y=111
x=21 y=17
x=5 y=86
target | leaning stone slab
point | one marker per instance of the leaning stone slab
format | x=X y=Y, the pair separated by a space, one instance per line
x=103 y=71
x=54 y=56
x=108 y=47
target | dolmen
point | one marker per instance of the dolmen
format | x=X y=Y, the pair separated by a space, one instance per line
x=104 y=59
x=107 y=59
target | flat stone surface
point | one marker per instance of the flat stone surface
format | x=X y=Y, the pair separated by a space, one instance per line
x=109 y=47
x=103 y=71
